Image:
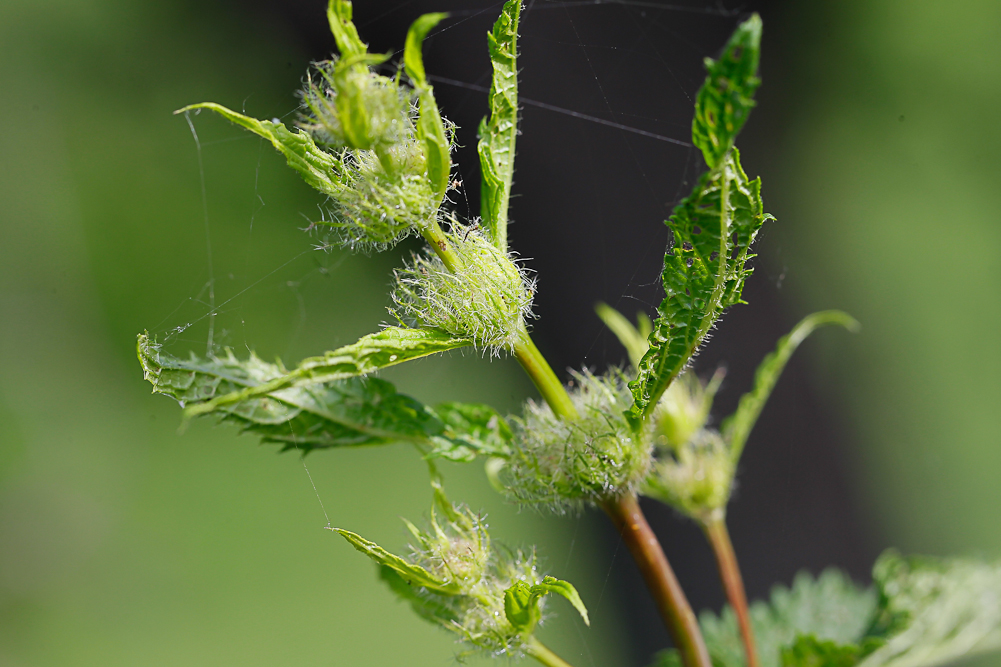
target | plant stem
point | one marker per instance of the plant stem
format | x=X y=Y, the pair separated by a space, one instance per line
x=678 y=616
x=541 y=652
x=733 y=584
x=436 y=238
x=545 y=379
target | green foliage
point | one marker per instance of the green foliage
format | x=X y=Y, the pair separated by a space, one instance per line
x=485 y=299
x=935 y=611
x=564 y=463
x=349 y=412
x=499 y=131
x=829 y=608
x=712 y=229
x=725 y=100
x=490 y=596
x=345 y=34
x=738 y=426
x=808 y=651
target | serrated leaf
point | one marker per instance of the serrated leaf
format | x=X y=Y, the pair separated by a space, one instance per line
x=345 y=34
x=413 y=575
x=830 y=608
x=726 y=98
x=935 y=611
x=349 y=412
x=704 y=273
x=633 y=338
x=737 y=427
x=320 y=169
x=474 y=429
x=498 y=131
x=344 y=413
x=391 y=346
x=521 y=602
x=430 y=126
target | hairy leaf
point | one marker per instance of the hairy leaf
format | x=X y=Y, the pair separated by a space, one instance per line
x=704 y=273
x=349 y=412
x=391 y=346
x=345 y=34
x=430 y=126
x=738 y=426
x=725 y=99
x=320 y=169
x=499 y=130
x=633 y=338
x=414 y=575
x=935 y=611
x=475 y=429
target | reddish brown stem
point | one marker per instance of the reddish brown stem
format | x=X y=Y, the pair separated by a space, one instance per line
x=733 y=584
x=678 y=616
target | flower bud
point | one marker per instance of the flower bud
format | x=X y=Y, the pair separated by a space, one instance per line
x=485 y=299
x=696 y=478
x=565 y=463
x=684 y=408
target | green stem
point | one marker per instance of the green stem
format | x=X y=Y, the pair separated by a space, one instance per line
x=436 y=238
x=545 y=379
x=541 y=652
x=674 y=608
x=733 y=584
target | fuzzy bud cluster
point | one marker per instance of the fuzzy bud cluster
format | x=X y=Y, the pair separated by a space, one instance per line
x=458 y=551
x=368 y=122
x=485 y=299
x=563 y=464
x=693 y=468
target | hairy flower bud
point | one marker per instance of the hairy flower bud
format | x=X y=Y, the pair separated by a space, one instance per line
x=684 y=408
x=350 y=106
x=565 y=463
x=696 y=477
x=486 y=299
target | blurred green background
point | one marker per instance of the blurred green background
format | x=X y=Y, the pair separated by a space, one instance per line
x=125 y=543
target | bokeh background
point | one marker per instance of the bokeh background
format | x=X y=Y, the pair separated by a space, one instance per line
x=123 y=542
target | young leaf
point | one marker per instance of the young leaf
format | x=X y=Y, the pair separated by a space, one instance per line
x=345 y=34
x=521 y=602
x=738 y=426
x=633 y=338
x=704 y=273
x=499 y=130
x=391 y=346
x=935 y=611
x=430 y=126
x=414 y=575
x=726 y=98
x=566 y=589
x=320 y=169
